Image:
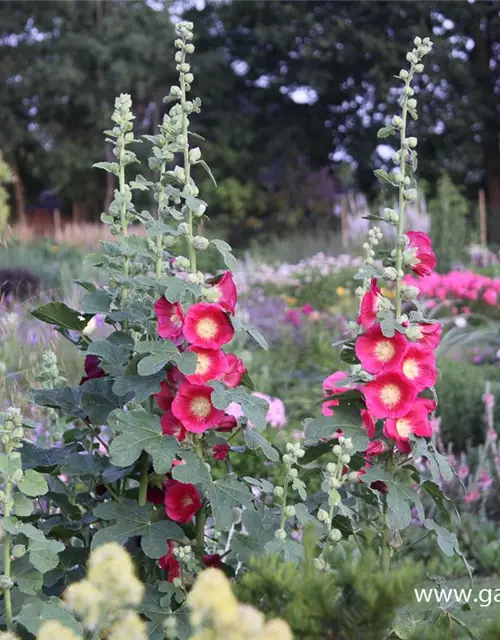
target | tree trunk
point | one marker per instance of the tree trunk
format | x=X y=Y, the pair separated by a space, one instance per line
x=19 y=195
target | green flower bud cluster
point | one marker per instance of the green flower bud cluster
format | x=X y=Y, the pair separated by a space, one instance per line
x=374 y=236
x=47 y=371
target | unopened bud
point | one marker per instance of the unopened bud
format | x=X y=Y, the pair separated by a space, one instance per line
x=290 y=512
x=337 y=450
x=200 y=243
x=412 y=141
x=278 y=492
x=335 y=535
x=390 y=273
x=322 y=515
x=280 y=534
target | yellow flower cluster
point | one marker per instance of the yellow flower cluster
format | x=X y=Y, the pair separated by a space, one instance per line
x=216 y=613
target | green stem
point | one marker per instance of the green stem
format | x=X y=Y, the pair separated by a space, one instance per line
x=159 y=238
x=187 y=168
x=402 y=187
x=6 y=556
x=200 y=516
x=283 y=501
x=123 y=217
x=143 y=487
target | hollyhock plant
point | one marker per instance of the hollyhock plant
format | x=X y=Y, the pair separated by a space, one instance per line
x=369 y=305
x=169 y=562
x=227 y=424
x=211 y=364
x=234 y=372
x=193 y=406
x=182 y=501
x=172 y=426
x=415 y=422
x=93 y=370
x=170 y=319
x=331 y=387
x=419 y=366
x=165 y=396
x=430 y=334
x=377 y=352
x=208 y=326
x=220 y=451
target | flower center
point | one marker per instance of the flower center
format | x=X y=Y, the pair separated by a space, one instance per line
x=200 y=407
x=207 y=328
x=202 y=364
x=403 y=427
x=411 y=368
x=187 y=501
x=176 y=321
x=384 y=351
x=390 y=395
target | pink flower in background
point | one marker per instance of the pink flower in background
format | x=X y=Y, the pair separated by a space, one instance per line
x=484 y=480
x=276 y=413
x=472 y=496
x=307 y=309
x=463 y=471
x=293 y=317
x=330 y=387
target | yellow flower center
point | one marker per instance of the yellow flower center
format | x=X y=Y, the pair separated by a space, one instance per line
x=384 y=350
x=200 y=407
x=207 y=328
x=390 y=395
x=176 y=321
x=403 y=427
x=410 y=368
x=202 y=363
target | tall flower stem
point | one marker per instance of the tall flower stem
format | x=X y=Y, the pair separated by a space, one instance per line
x=6 y=555
x=200 y=516
x=159 y=238
x=123 y=210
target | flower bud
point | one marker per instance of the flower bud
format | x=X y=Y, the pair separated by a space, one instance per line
x=410 y=292
x=390 y=273
x=290 y=512
x=337 y=450
x=18 y=550
x=293 y=473
x=410 y=195
x=412 y=103
x=169 y=241
x=189 y=78
x=184 y=67
x=278 y=492
x=319 y=564
x=322 y=515
x=412 y=141
x=331 y=467
x=200 y=243
x=419 y=68
x=280 y=534
x=397 y=121
x=345 y=458
x=194 y=155
x=403 y=74
x=189 y=48
x=335 y=535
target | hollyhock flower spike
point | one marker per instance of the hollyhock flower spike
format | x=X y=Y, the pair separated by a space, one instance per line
x=170 y=318
x=424 y=261
x=377 y=352
x=419 y=366
x=369 y=305
x=193 y=407
x=182 y=501
x=390 y=395
x=211 y=364
x=207 y=325
x=224 y=292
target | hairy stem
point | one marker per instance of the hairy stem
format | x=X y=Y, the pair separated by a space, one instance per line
x=159 y=238
x=6 y=556
x=283 y=502
x=187 y=168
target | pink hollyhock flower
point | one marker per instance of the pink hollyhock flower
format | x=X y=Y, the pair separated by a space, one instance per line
x=307 y=309
x=484 y=480
x=211 y=364
x=375 y=448
x=235 y=411
x=92 y=366
x=227 y=295
x=165 y=396
x=490 y=296
x=276 y=414
x=330 y=387
x=169 y=562
x=416 y=422
x=369 y=305
x=220 y=451
x=212 y=560
x=421 y=243
x=170 y=318
x=182 y=501
x=431 y=334
x=472 y=496
x=235 y=371
x=419 y=366
x=206 y=325
x=292 y=316
x=377 y=352
x=463 y=471
x=171 y=426
x=228 y=423
x=193 y=406
x=390 y=395
x=368 y=423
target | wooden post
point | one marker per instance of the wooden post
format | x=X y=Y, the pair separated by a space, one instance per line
x=344 y=221
x=483 y=234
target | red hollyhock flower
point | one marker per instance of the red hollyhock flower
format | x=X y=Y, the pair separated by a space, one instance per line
x=211 y=364
x=193 y=407
x=416 y=421
x=165 y=396
x=375 y=448
x=228 y=423
x=368 y=423
x=170 y=563
x=419 y=366
x=431 y=334
x=182 y=501
x=227 y=294
x=92 y=368
x=235 y=371
x=220 y=451
x=330 y=387
x=212 y=560
x=155 y=495
x=380 y=486
x=422 y=245
x=390 y=395
x=377 y=352
x=369 y=305
x=171 y=426
x=170 y=318
x=206 y=325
